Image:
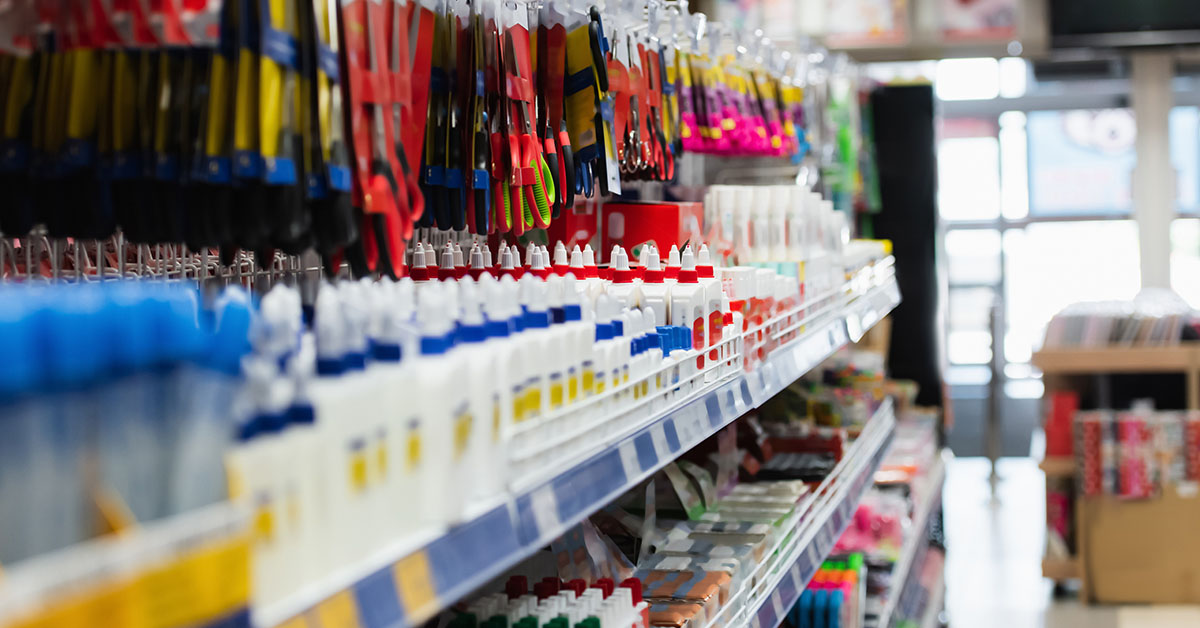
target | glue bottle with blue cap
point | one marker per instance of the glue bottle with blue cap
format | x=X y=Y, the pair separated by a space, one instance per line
x=502 y=345
x=72 y=333
x=441 y=412
x=210 y=386
x=22 y=414
x=482 y=447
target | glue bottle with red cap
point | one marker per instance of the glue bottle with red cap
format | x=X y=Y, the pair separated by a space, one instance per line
x=712 y=304
x=479 y=265
x=625 y=287
x=591 y=274
x=688 y=308
x=538 y=266
x=656 y=292
x=460 y=262
x=562 y=264
x=673 y=263
x=417 y=269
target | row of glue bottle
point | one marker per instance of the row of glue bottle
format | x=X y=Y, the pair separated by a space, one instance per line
x=430 y=399
x=409 y=406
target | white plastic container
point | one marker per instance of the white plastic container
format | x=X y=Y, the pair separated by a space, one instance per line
x=712 y=305
x=688 y=304
x=625 y=287
x=440 y=411
x=656 y=292
x=777 y=230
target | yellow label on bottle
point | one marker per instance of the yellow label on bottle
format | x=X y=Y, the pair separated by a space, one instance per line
x=413 y=449
x=495 y=419
x=381 y=458
x=263 y=522
x=518 y=404
x=556 y=393
x=599 y=383
x=533 y=400
x=358 y=470
x=589 y=382
x=462 y=433
x=572 y=387
x=625 y=375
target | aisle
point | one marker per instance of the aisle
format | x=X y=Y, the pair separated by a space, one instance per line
x=993 y=566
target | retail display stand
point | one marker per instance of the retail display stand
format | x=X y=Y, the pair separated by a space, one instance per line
x=1127 y=551
x=410 y=584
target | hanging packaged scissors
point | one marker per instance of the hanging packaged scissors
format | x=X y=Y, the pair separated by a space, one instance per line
x=365 y=29
x=530 y=182
x=212 y=192
x=458 y=137
x=552 y=58
x=403 y=69
x=437 y=129
x=248 y=190
x=335 y=225
x=480 y=198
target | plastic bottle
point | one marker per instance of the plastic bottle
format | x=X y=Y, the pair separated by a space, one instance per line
x=624 y=287
x=673 y=263
x=795 y=222
x=477 y=435
x=441 y=410
x=712 y=299
x=781 y=196
x=656 y=293
x=460 y=262
x=562 y=264
x=760 y=231
x=479 y=265
x=578 y=340
x=535 y=343
x=539 y=264
x=500 y=329
x=688 y=304
x=509 y=265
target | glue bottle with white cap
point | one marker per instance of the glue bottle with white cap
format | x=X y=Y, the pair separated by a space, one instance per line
x=688 y=306
x=656 y=292
x=712 y=304
x=625 y=286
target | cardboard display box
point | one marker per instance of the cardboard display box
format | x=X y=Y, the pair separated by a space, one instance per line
x=1141 y=551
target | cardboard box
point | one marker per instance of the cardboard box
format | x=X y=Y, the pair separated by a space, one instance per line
x=635 y=224
x=1141 y=551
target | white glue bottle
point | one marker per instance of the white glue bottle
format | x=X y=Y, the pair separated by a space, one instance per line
x=688 y=305
x=477 y=438
x=562 y=264
x=439 y=410
x=625 y=286
x=656 y=292
x=673 y=263
x=712 y=304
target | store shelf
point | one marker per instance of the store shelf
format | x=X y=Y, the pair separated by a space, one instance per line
x=931 y=495
x=1060 y=568
x=1058 y=466
x=1117 y=359
x=407 y=585
x=779 y=582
